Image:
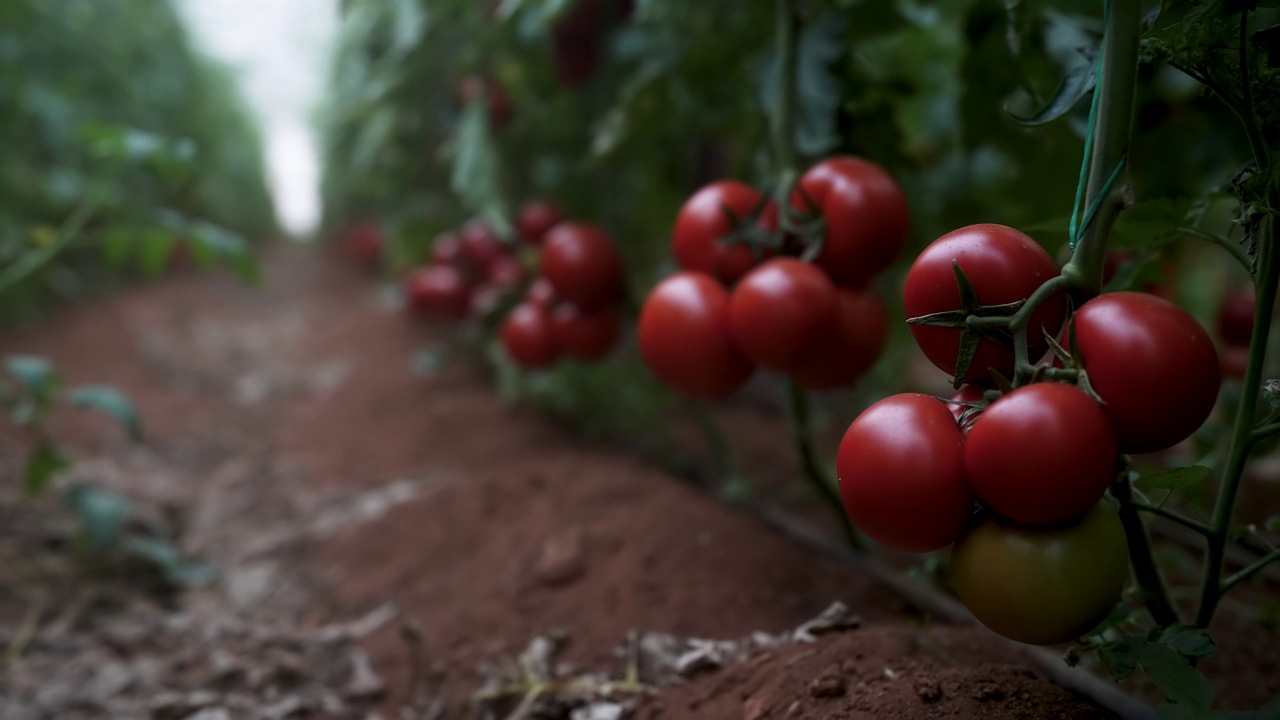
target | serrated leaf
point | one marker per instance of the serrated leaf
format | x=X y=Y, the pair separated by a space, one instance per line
x=1188 y=641
x=112 y=403
x=102 y=514
x=1176 y=479
x=1173 y=675
x=43 y=464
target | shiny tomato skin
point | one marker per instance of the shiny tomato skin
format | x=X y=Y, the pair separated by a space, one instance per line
x=1004 y=266
x=901 y=470
x=504 y=271
x=685 y=338
x=853 y=346
x=1153 y=365
x=866 y=213
x=536 y=218
x=1042 y=454
x=541 y=293
x=446 y=249
x=526 y=335
x=1235 y=317
x=479 y=245
x=582 y=264
x=1042 y=585
x=438 y=289
x=702 y=223
x=585 y=335
x=782 y=312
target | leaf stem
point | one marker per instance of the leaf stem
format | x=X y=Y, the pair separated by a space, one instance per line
x=1154 y=591
x=1248 y=572
x=1236 y=249
x=802 y=436
x=34 y=260
x=782 y=116
x=1183 y=520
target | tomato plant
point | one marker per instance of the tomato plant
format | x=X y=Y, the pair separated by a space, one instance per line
x=582 y=264
x=685 y=337
x=782 y=313
x=1003 y=266
x=714 y=215
x=1042 y=454
x=901 y=470
x=1151 y=363
x=1042 y=585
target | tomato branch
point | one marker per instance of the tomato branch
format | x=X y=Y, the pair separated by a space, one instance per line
x=1248 y=572
x=1183 y=520
x=1154 y=591
x=802 y=435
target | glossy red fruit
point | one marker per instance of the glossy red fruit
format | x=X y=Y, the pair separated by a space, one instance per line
x=577 y=35
x=1235 y=317
x=1234 y=361
x=498 y=103
x=901 y=469
x=480 y=245
x=782 y=313
x=526 y=335
x=1042 y=454
x=1152 y=364
x=705 y=220
x=438 y=289
x=505 y=272
x=685 y=340
x=582 y=264
x=853 y=346
x=363 y=242
x=536 y=218
x=541 y=293
x=867 y=219
x=584 y=335
x=1004 y=266
x=446 y=249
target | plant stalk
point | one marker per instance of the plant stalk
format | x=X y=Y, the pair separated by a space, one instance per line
x=1154 y=592
x=802 y=436
x=782 y=115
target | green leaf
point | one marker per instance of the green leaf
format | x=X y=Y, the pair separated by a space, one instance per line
x=43 y=464
x=1188 y=641
x=110 y=402
x=1119 y=657
x=170 y=561
x=102 y=514
x=154 y=249
x=1173 y=675
x=1078 y=81
x=818 y=89
x=1176 y=479
x=1151 y=222
x=475 y=167
x=36 y=375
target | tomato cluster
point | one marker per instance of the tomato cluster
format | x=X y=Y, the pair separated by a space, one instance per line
x=1015 y=480
x=744 y=299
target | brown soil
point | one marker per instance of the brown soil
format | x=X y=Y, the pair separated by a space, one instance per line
x=304 y=457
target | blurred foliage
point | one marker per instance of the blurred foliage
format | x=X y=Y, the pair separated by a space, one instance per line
x=930 y=90
x=119 y=143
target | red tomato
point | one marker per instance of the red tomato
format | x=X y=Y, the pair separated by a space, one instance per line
x=1004 y=266
x=526 y=334
x=479 y=245
x=782 y=313
x=1234 y=360
x=438 y=289
x=854 y=345
x=446 y=249
x=704 y=221
x=1042 y=585
x=577 y=35
x=1235 y=317
x=685 y=340
x=536 y=218
x=1042 y=454
x=866 y=214
x=498 y=104
x=505 y=271
x=363 y=242
x=584 y=334
x=582 y=264
x=1152 y=364
x=541 y=293
x=901 y=468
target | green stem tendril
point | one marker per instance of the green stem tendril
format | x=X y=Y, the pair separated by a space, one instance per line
x=802 y=435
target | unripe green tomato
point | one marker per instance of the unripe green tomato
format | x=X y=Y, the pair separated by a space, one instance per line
x=1042 y=585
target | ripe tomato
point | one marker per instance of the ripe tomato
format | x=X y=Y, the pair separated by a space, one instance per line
x=498 y=104
x=504 y=271
x=1235 y=317
x=438 y=289
x=704 y=221
x=1041 y=454
x=901 y=469
x=584 y=334
x=363 y=242
x=782 y=313
x=1152 y=364
x=526 y=334
x=541 y=293
x=446 y=249
x=685 y=340
x=582 y=264
x=1004 y=266
x=535 y=218
x=479 y=245
x=577 y=35
x=866 y=214
x=1042 y=585
x=853 y=346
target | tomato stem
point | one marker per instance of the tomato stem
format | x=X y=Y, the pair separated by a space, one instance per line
x=1183 y=520
x=724 y=464
x=782 y=116
x=1154 y=592
x=802 y=436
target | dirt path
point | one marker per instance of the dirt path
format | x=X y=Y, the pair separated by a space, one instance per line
x=301 y=455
